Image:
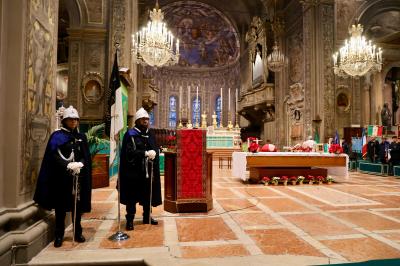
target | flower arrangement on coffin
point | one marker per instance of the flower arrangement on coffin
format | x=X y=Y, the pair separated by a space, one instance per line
x=299 y=148
x=265 y=180
x=320 y=179
x=254 y=147
x=284 y=179
x=329 y=179
x=171 y=141
x=310 y=179
x=293 y=179
x=335 y=148
x=300 y=179
x=275 y=180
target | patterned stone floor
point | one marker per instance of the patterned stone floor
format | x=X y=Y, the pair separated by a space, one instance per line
x=354 y=219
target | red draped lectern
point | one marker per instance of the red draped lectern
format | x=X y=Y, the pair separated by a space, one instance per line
x=188 y=174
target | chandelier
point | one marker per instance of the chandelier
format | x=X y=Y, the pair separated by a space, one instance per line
x=276 y=60
x=358 y=56
x=154 y=45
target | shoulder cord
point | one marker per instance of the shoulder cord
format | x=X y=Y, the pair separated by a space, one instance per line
x=70 y=158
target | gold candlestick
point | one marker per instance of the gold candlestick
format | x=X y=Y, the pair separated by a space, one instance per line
x=204 y=120
x=230 y=125
x=214 y=120
x=189 y=124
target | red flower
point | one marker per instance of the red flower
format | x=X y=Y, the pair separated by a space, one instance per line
x=284 y=178
x=253 y=147
x=320 y=178
x=266 y=179
x=310 y=177
x=171 y=138
x=293 y=178
x=335 y=148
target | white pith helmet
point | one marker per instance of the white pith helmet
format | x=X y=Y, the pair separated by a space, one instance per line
x=141 y=113
x=70 y=112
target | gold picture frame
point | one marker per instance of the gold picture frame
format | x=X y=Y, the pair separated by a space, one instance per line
x=319 y=147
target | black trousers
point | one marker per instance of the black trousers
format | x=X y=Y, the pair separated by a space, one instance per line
x=60 y=222
x=131 y=211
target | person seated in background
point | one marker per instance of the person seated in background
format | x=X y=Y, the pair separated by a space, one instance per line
x=373 y=149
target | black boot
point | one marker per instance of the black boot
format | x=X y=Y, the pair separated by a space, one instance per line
x=58 y=241
x=152 y=221
x=129 y=222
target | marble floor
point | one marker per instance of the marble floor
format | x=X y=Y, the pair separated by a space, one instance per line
x=351 y=220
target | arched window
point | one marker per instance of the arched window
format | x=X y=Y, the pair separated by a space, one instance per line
x=151 y=120
x=196 y=110
x=218 y=109
x=172 y=112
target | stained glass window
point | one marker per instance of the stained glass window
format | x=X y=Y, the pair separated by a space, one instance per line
x=218 y=109
x=172 y=112
x=196 y=110
x=151 y=120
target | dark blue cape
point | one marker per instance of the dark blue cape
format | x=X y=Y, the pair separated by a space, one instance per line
x=51 y=175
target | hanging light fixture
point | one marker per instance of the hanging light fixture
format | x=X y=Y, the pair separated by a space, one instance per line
x=358 y=56
x=154 y=45
x=276 y=60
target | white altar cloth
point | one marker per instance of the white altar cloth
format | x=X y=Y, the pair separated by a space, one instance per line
x=239 y=163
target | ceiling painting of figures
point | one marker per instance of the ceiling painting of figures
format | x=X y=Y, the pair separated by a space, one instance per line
x=207 y=38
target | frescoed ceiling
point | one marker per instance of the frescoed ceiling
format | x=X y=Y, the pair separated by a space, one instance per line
x=207 y=38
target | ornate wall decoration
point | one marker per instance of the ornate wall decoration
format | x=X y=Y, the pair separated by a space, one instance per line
x=95 y=9
x=296 y=57
x=257 y=40
x=295 y=111
x=93 y=53
x=345 y=11
x=207 y=37
x=328 y=90
x=119 y=9
x=39 y=87
x=92 y=87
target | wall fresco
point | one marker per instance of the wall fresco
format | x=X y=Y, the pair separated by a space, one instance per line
x=207 y=38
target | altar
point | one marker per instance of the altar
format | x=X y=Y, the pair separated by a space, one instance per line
x=335 y=164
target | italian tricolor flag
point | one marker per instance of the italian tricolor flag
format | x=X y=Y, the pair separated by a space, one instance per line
x=375 y=131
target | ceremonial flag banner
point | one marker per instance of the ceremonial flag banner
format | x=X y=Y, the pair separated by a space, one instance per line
x=336 y=140
x=375 y=131
x=115 y=114
x=364 y=144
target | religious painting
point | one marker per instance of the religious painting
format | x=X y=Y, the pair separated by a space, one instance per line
x=92 y=87
x=343 y=102
x=207 y=38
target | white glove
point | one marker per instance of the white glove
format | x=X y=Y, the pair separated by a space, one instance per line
x=75 y=167
x=151 y=154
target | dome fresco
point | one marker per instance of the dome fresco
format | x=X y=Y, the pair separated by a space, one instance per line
x=207 y=38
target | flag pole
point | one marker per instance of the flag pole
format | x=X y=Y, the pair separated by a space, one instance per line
x=119 y=235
